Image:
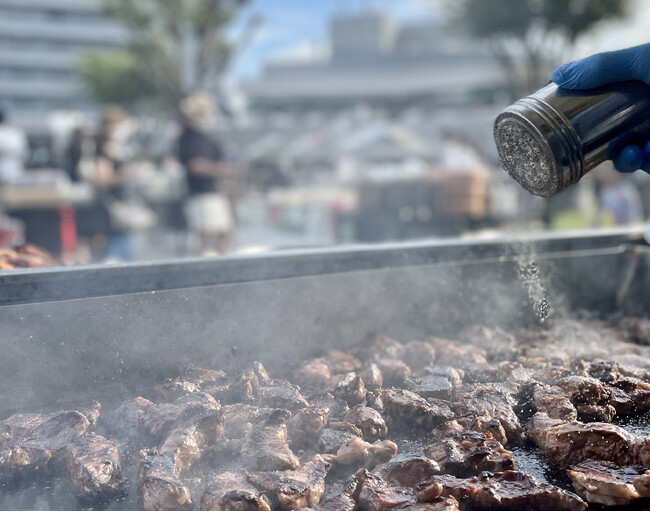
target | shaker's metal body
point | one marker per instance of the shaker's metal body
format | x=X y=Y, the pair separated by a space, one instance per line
x=549 y=140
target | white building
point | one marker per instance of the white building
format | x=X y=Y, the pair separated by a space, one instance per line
x=40 y=45
x=375 y=62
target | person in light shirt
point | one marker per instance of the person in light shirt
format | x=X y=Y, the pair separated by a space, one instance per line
x=13 y=151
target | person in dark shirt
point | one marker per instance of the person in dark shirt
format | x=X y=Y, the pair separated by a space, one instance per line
x=208 y=210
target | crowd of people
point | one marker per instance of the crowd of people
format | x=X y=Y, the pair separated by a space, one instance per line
x=108 y=224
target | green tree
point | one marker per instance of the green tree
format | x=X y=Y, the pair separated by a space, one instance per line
x=174 y=47
x=531 y=37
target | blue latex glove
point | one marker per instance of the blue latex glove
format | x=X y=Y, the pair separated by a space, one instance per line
x=607 y=68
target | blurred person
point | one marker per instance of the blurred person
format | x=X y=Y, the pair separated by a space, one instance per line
x=619 y=200
x=109 y=178
x=74 y=153
x=13 y=150
x=208 y=210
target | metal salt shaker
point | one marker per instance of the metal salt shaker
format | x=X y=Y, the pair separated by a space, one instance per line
x=551 y=139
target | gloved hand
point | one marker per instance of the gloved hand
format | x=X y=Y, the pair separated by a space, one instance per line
x=606 y=68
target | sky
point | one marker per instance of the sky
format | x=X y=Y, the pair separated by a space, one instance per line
x=297 y=29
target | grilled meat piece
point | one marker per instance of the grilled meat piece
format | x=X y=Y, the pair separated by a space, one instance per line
x=280 y=394
x=159 y=420
x=470 y=453
x=372 y=377
x=312 y=374
x=340 y=498
x=351 y=388
x=368 y=420
x=332 y=439
x=294 y=490
x=357 y=451
x=457 y=355
x=553 y=401
x=418 y=354
x=604 y=483
x=337 y=408
x=191 y=380
x=341 y=362
x=430 y=386
x=448 y=503
x=570 y=443
x=638 y=390
x=453 y=375
x=94 y=465
x=265 y=447
x=379 y=346
x=306 y=426
x=584 y=390
x=412 y=408
x=27 y=441
x=186 y=444
x=159 y=486
x=126 y=422
x=240 y=418
x=407 y=472
x=621 y=402
x=376 y=494
x=510 y=490
x=232 y=491
x=471 y=423
x=502 y=343
x=394 y=371
x=596 y=412
x=493 y=401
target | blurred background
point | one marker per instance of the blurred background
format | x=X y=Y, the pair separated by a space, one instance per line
x=153 y=129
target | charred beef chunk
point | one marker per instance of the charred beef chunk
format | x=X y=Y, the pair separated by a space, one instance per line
x=340 y=498
x=372 y=377
x=361 y=453
x=470 y=453
x=584 y=390
x=159 y=420
x=379 y=346
x=313 y=374
x=604 y=483
x=453 y=375
x=493 y=401
x=232 y=491
x=407 y=472
x=510 y=490
x=337 y=408
x=368 y=420
x=94 y=465
x=265 y=447
x=340 y=362
x=376 y=494
x=450 y=353
x=418 y=354
x=186 y=444
x=553 y=401
x=447 y=503
x=297 y=489
x=191 y=380
x=596 y=412
x=126 y=422
x=306 y=426
x=280 y=394
x=573 y=442
x=430 y=386
x=332 y=438
x=351 y=388
x=159 y=486
x=394 y=371
x=27 y=441
x=412 y=408
x=471 y=423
